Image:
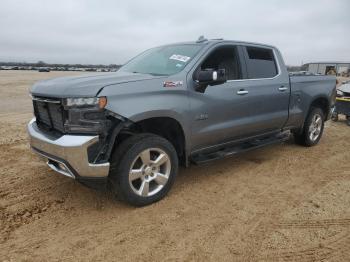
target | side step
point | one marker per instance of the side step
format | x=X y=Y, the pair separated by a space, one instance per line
x=202 y=158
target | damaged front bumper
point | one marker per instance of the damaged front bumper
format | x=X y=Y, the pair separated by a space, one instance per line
x=68 y=154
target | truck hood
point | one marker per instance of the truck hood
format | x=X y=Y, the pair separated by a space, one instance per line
x=84 y=85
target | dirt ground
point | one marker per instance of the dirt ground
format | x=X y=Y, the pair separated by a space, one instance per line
x=280 y=203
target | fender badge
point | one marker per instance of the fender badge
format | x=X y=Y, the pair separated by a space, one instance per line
x=172 y=84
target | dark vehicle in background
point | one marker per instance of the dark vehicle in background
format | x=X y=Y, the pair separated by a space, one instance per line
x=173 y=105
x=44 y=69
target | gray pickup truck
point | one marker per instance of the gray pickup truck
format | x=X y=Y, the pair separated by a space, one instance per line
x=192 y=102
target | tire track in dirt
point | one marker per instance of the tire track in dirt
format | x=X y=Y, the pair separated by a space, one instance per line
x=12 y=221
x=266 y=225
x=330 y=249
x=14 y=162
x=334 y=248
x=314 y=223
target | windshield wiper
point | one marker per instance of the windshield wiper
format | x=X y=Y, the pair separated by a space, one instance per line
x=153 y=74
x=156 y=74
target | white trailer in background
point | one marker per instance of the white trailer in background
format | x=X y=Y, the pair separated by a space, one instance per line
x=324 y=68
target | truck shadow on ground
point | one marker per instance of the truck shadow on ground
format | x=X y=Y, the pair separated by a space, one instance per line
x=187 y=178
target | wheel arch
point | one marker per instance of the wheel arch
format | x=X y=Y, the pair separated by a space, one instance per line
x=321 y=102
x=167 y=127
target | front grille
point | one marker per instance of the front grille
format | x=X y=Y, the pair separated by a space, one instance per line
x=49 y=114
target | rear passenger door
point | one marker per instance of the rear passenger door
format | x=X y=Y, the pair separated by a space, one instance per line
x=267 y=83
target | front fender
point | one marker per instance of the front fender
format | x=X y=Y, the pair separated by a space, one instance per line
x=138 y=106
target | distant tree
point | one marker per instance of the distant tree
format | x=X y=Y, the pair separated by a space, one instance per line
x=41 y=63
x=293 y=68
x=61 y=66
x=304 y=67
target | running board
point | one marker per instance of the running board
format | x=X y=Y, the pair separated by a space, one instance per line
x=202 y=158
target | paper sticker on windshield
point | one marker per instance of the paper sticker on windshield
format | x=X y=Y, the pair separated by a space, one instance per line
x=181 y=58
x=172 y=83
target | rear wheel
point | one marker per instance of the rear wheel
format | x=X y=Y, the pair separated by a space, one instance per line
x=313 y=128
x=348 y=120
x=143 y=169
x=335 y=116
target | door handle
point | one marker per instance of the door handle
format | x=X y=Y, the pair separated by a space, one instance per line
x=282 y=88
x=242 y=92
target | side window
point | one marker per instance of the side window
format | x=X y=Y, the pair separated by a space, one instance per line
x=260 y=63
x=225 y=57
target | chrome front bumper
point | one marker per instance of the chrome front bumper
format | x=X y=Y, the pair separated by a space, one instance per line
x=67 y=154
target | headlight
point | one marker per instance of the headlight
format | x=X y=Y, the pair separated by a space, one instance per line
x=99 y=102
x=86 y=115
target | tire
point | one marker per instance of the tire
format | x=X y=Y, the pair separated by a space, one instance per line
x=335 y=117
x=136 y=176
x=348 y=120
x=312 y=131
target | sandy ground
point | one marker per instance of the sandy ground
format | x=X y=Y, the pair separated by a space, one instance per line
x=280 y=203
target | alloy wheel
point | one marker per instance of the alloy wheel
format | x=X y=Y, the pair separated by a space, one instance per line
x=149 y=172
x=315 y=127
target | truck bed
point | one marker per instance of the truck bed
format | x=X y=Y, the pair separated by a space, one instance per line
x=304 y=90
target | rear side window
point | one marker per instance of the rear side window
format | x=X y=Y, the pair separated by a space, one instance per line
x=260 y=63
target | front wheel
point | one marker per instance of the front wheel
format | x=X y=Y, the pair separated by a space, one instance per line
x=313 y=128
x=143 y=169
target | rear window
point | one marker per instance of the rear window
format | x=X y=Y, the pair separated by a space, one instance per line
x=261 y=63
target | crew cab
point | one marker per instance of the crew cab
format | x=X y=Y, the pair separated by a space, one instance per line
x=178 y=104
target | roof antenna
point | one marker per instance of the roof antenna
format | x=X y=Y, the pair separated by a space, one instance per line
x=201 y=39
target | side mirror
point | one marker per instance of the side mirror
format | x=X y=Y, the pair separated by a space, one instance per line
x=210 y=77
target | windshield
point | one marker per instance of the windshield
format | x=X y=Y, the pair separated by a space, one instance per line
x=165 y=60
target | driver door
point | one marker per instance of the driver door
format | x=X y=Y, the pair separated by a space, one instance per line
x=223 y=112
